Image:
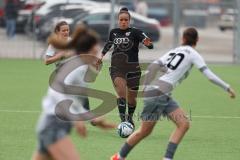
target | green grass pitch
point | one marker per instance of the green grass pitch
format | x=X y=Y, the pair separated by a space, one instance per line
x=215 y=118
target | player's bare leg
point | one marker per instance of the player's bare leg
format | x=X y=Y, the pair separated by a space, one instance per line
x=120 y=86
x=63 y=149
x=182 y=125
x=144 y=130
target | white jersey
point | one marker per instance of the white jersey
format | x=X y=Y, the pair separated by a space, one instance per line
x=179 y=62
x=76 y=78
x=51 y=51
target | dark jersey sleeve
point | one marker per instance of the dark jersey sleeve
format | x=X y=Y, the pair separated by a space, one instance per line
x=141 y=36
x=109 y=43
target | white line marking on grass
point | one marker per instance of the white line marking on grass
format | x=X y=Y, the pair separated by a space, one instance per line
x=203 y=116
x=15 y=111
x=216 y=117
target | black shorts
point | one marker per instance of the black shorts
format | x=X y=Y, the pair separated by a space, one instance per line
x=131 y=76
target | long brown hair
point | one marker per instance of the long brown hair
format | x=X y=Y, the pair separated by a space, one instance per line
x=83 y=39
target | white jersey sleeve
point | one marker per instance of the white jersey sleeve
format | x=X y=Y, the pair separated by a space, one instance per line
x=214 y=78
x=197 y=60
x=50 y=51
x=179 y=62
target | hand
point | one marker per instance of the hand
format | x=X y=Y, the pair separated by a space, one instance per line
x=81 y=128
x=147 y=42
x=99 y=63
x=231 y=93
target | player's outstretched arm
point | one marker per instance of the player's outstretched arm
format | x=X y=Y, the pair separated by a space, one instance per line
x=216 y=80
x=51 y=59
x=108 y=44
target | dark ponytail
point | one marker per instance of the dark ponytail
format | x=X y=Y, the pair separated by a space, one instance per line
x=124 y=10
x=83 y=39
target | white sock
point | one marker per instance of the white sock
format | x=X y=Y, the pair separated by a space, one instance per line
x=166 y=158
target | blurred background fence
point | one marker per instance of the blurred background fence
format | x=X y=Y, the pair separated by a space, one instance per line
x=216 y=21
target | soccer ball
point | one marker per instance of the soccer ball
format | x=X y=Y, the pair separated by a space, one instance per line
x=125 y=129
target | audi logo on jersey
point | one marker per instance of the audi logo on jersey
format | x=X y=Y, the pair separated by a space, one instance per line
x=121 y=40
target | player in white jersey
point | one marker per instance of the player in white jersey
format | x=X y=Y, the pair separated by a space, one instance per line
x=57 y=56
x=174 y=66
x=52 y=132
x=54 y=55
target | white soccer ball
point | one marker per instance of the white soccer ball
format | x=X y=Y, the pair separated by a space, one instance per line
x=125 y=129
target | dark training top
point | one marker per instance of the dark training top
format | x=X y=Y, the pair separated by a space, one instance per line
x=125 y=42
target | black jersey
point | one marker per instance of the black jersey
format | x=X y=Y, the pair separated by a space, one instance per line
x=125 y=42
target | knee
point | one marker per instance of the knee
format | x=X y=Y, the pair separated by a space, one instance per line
x=184 y=126
x=120 y=87
x=121 y=93
x=132 y=102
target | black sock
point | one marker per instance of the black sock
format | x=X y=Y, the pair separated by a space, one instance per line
x=131 y=110
x=121 y=102
x=85 y=102
x=126 y=148
x=171 y=149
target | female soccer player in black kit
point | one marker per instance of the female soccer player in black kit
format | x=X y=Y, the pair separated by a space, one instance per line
x=125 y=70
